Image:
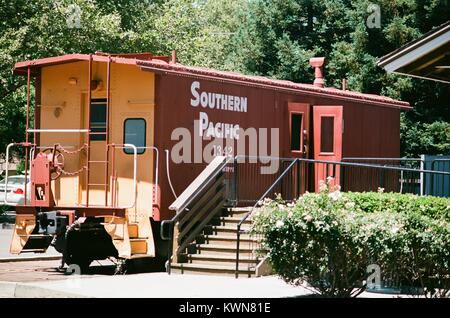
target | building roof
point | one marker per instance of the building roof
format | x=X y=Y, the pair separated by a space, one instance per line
x=426 y=57
x=161 y=64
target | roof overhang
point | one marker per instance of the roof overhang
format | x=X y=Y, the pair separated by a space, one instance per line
x=427 y=57
x=21 y=68
x=162 y=64
x=273 y=84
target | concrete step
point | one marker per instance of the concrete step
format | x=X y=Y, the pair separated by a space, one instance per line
x=228 y=233
x=230 y=240
x=220 y=259
x=208 y=269
x=229 y=236
x=223 y=249
x=222 y=229
x=238 y=212
x=234 y=220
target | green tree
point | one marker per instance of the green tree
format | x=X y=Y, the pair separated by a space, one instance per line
x=270 y=38
x=286 y=33
x=36 y=29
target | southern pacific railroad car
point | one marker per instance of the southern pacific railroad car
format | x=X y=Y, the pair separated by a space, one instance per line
x=117 y=136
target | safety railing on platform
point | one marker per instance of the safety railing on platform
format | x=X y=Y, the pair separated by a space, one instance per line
x=30 y=150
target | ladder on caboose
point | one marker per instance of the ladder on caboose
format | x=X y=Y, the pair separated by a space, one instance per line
x=89 y=133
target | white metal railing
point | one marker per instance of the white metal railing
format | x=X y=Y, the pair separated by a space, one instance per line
x=123 y=146
x=156 y=178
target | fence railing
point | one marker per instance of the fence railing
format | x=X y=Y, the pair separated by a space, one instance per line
x=296 y=176
x=439 y=185
x=247 y=181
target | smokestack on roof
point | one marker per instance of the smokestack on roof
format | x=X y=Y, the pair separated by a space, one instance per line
x=318 y=63
x=174 y=57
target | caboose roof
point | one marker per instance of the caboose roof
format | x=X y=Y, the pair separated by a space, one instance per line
x=161 y=64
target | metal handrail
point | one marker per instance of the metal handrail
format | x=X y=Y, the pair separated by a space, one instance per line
x=156 y=171
x=399 y=160
x=380 y=159
x=355 y=164
x=168 y=174
x=246 y=216
x=352 y=164
x=123 y=146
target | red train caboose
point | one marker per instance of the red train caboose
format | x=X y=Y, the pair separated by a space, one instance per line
x=115 y=136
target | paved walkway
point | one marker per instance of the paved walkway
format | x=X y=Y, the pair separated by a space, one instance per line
x=160 y=285
x=41 y=279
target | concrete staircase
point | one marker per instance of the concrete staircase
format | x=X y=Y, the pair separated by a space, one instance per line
x=214 y=252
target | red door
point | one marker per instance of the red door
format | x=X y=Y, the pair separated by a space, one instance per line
x=298 y=148
x=298 y=129
x=328 y=130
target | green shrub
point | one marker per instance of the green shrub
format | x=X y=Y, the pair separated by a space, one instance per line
x=329 y=239
x=434 y=207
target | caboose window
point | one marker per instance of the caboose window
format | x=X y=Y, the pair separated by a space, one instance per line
x=134 y=130
x=327 y=134
x=98 y=119
x=296 y=131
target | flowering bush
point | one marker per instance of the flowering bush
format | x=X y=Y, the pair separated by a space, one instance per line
x=329 y=239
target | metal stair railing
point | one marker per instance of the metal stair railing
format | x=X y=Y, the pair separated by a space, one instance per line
x=203 y=199
x=258 y=202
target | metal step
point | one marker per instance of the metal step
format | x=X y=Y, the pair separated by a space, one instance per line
x=138 y=246
x=133 y=230
x=38 y=250
x=134 y=256
x=37 y=243
x=37 y=236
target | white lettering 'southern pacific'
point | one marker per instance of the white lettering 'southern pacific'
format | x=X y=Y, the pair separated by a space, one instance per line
x=217 y=100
